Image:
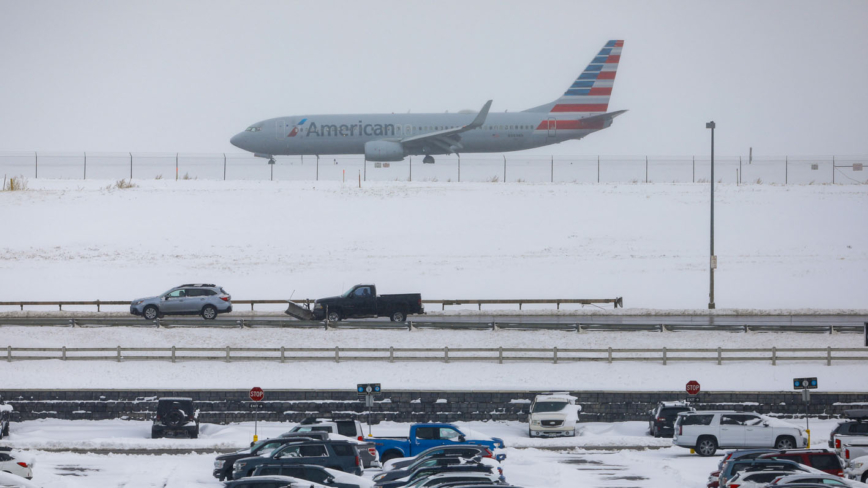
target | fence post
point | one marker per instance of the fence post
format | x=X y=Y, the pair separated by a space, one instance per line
x=391 y=354
x=176 y=166
x=556 y=355
x=282 y=354
x=833 y=170
x=119 y=353
x=774 y=356
x=828 y=355
x=738 y=181
x=337 y=354
x=718 y=356
x=173 y=354
x=97 y=305
x=446 y=354
x=228 y=359
x=224 y=166
x=664 y=356
x=500 y=355
x=610 y=355
x=553 y=169
x=646 y=169
x=63 y=354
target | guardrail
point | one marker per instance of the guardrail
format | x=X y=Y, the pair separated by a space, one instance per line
x=444 y=354
x=617 y=302
x=579 y=327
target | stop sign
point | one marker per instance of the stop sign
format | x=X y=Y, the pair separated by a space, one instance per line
x=692 y=387
x=256 y=394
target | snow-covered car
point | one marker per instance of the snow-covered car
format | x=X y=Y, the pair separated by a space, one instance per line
x=662 y=418
x=342 y=429
x=553 y=415
x=272 y=482
x=804 y=478
x=318 y=474
x=707 y=431
x=857 y=469
x=12 y=463
x=754 y=479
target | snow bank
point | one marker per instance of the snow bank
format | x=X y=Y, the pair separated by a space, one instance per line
x=778 y=247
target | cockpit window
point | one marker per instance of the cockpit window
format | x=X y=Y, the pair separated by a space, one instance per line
x=253 y=129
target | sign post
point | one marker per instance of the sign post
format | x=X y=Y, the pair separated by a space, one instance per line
x=806 y=384
x=257 y=395
x=368 y=390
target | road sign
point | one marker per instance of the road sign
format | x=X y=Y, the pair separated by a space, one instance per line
x=692 y=388
x=368 y=388
x=256 y=394
x=804 y=383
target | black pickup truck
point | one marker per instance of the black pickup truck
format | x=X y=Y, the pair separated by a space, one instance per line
x=361 y=301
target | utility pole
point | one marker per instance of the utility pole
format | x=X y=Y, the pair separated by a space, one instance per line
x=712 y=259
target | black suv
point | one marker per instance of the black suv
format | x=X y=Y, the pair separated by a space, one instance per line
x=223 y=463
x=176 y=417
x=339 y=455
x=661 y=422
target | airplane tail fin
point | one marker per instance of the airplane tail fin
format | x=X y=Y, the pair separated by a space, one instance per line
x=589 y=94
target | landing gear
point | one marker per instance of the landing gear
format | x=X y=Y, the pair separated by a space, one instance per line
x=428 y=159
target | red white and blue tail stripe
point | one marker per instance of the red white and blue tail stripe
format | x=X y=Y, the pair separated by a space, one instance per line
x=589 y=94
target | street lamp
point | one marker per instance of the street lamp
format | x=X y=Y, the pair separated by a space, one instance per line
x=712 y=264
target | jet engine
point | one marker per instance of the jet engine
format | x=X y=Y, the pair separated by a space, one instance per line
x=384 y=151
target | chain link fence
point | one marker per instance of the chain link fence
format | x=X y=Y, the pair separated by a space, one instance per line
x=783 y=170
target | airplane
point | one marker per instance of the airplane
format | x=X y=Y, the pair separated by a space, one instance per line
x=580 y=111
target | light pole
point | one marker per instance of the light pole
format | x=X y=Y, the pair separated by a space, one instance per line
x=712 y=264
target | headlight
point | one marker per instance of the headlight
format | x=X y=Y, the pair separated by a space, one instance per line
x=219 y=464
x=318 y=305
x=379 y=477
x=140 y=302
x=536 y=422
x=858 y=465
x=239 y=465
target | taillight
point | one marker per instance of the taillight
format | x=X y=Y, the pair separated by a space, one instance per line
x=846 y=454
x=361 y=438
x=732 y=486
x=225 y=298
x=488 y=453
x=372 y=451
x=22 y=464
x=358 y=463
x=680 y=432
x=660 y=419
x=840 y=473
x=837 y=443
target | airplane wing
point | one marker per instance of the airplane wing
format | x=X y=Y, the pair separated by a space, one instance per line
x=445 y=139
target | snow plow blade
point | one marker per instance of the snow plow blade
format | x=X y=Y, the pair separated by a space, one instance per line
x=299 y=312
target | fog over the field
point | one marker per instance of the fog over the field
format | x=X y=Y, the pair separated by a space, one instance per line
x=785 y=77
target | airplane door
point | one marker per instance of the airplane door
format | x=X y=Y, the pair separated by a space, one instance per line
x=280 y=130
x=553 y=130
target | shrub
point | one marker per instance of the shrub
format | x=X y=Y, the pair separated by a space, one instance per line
x=16 y=183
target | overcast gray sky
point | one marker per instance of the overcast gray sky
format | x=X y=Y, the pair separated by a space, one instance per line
x=786 y=77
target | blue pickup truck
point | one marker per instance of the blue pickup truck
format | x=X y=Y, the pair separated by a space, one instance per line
x=426 y=436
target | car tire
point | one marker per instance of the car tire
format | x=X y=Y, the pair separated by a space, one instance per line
x=785 y=443
x=865 y=477
x=398 y=316
x=150 y=312
x=706 y=446
x=334 y=316
x=156 y=434
x=209 y=312
x=389 y=455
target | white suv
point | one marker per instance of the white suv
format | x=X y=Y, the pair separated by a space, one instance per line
x=553 y=414
x=707 y=431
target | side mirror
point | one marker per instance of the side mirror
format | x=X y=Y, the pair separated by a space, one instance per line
x=461 y=438
x=765 y=424
x=330 y=480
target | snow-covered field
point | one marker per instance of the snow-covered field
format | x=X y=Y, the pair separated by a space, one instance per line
x=778 y=247
x=645 y=376
x=525 y=466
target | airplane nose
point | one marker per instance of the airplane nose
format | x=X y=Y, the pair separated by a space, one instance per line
x=237 y=140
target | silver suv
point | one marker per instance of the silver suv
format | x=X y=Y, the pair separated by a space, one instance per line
x=191 y=299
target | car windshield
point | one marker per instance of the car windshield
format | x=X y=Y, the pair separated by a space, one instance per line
x=348 y=292
x=542 y=407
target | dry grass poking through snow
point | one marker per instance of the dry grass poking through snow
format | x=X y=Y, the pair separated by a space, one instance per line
x=16 y=183
x=122 y=185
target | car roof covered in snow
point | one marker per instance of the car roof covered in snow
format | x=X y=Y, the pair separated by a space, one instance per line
x=176 y=399
x=553 y=397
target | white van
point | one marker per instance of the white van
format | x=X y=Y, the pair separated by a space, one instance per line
x=553 y=415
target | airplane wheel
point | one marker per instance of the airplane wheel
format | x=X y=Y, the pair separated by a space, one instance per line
x=428 y=160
